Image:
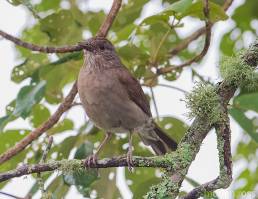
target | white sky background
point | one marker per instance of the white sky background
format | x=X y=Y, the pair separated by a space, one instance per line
x=203 y=169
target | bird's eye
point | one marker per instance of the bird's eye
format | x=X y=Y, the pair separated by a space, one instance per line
x=101 y=47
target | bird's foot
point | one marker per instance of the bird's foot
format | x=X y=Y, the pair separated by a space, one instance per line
x=91 y=160
x=129 y=160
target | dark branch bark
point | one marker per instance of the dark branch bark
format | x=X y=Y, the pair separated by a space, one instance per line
x=65 y=49
x=159 y=162
x=109 y=19
x=64 y=106
x=182 y=45
x=43 y=49
x=205 y=49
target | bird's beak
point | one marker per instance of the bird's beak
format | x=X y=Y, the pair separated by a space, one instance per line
x=86 y=46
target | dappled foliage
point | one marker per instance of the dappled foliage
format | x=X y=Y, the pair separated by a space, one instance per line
x=144 y=45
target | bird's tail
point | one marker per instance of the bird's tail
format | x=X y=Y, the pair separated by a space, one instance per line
x=159 y=141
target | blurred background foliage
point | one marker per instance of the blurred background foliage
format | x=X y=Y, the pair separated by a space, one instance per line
x=144 y=44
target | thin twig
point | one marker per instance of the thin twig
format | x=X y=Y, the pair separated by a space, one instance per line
x=154 y=103
x=227 y=4
x=64 y=106
x=10 y=195
x=183 y=44
x=173 y=87
x=43 y=160
x=197 y=58
x=44 y=49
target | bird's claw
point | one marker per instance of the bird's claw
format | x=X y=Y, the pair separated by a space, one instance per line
x=129 y=160
x=91 y=160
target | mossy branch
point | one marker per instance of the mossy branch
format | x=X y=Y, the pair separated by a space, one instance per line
x=212 y=102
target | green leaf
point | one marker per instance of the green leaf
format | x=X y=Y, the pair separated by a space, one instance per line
x=180 y=6
x=57 y=77
x=14 y=2
x=58 y=188
x=247 y=102
x=245 y=123
x=125 y=32
x=174 y=127
x=39 y=114
x=244 y=14
x=61 y=28
x=128 y=14
x=62 y=126
x=83 y=179
x=47 y=5
x=161 y=17
x=141 y=180
x=28 y=67
x=107 y=180
x=4 y=120
x=27 y=97
x=196 y=10
x=8 y=139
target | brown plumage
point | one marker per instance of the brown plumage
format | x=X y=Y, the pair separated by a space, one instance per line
x=114 y=100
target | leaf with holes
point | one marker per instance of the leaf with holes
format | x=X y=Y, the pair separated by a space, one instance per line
x=27 y=97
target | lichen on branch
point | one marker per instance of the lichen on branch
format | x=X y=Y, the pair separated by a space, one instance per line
x=237 y=72
x=203 y=102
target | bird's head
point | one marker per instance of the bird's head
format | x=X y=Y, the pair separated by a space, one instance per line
x=98 y=45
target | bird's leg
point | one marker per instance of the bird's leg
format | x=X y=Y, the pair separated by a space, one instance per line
x=129 y=157
x=92 y=159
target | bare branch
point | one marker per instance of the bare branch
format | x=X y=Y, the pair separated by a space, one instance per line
x=10 y=195
x=183 y=44
x=154 y=103
x=64 y=106
x=109 y=19
x=40 y=181
x=65 y=49
x=227 y=4
x=197 y=58
x=44 y=49
x=173 y=87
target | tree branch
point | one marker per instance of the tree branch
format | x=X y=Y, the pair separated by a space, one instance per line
x=40 y=181
x=10 y=195
x=65 y=49
x=64 y=106
x=183 y=44
x=177 y=162
x=104 y=28
x=43 y=49
x=159 y=162
x=225 y=177
x=197 y=58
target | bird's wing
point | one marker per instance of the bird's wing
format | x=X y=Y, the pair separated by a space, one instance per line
x=133 y=88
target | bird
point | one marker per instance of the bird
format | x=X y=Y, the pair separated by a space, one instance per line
x=114 y=100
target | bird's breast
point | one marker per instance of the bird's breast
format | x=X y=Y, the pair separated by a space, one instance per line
x=107 y=103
